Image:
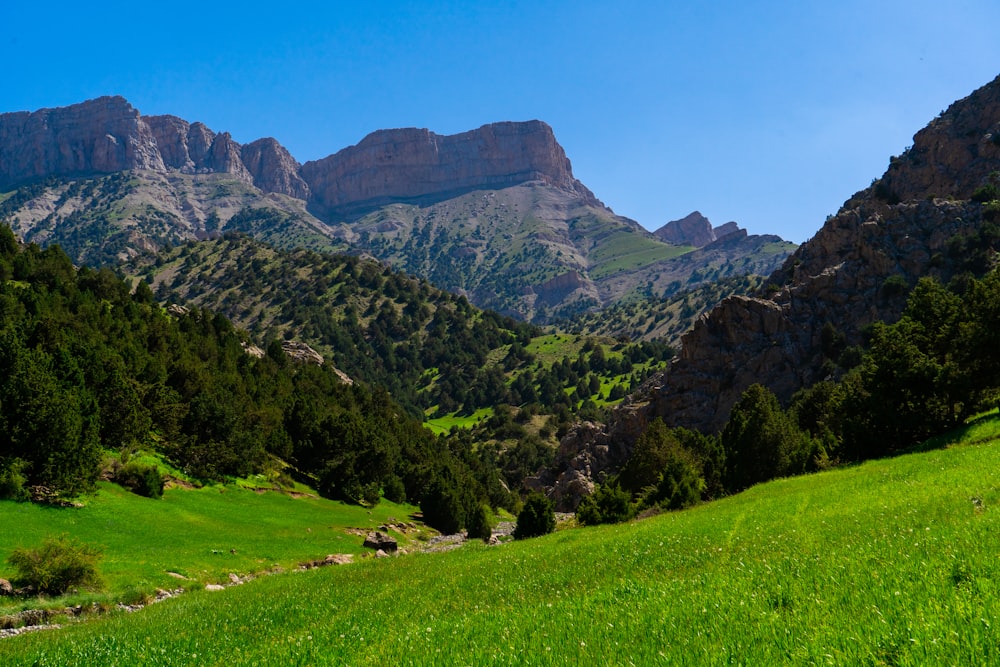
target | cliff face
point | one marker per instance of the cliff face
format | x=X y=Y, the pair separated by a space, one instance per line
x=694 y=229
x=102 y=135
x=896 y=227
x=407 y=164
x=108 y=135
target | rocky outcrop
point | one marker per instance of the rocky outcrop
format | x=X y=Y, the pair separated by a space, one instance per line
x=725 y=229
x=409 y=164
x=838 y=276
x=949 y=157
x=103 y=135
x=381 y=542
x=299 y=351
x=273 y=168
x=108 y=135
x=695 y=230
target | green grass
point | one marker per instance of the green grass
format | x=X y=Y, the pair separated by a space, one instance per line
x=444 y=424
x=203 y=534
x=889 y=562
x=629 y=252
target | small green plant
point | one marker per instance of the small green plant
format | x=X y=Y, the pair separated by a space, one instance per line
x=140 y=479
x=56 y=566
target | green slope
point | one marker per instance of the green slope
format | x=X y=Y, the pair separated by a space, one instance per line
x=889 y=562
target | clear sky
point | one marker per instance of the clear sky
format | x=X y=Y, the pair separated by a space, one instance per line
x=768 y=113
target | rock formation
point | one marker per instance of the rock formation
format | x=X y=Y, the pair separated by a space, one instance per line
x=694 y=229
x=894 y=228
x=407 y=164
x=102 y=135
x=107 y=135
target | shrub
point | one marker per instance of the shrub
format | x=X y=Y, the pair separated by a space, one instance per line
x=536 y=517
x=56 y=566
x=480 y=525
x=13 y=481
x=608 y=504
x=140 y=479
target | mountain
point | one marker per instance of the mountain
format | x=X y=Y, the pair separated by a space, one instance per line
x=694 y=229
x=926 y=216
x=494 y=213
x=935 y=212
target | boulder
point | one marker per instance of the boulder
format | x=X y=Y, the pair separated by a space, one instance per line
x=6 y=588
x=381 y=541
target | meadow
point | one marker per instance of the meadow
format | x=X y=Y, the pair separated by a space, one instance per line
x=201 y=534
x=888 y=562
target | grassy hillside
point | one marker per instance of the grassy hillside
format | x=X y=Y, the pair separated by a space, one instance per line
x=202 y=534
x=888 y=562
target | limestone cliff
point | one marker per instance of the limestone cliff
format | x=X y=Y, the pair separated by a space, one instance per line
x=109 y=135
x=409 y=164
x=694 y=229
x=102 y=135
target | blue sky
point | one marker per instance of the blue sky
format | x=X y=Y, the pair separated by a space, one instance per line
x=767 y=113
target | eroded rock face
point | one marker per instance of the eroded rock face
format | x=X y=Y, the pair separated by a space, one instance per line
x=102 y=135
x=406 y=164
x=894 y=228
x=273 y=168
x=694 y=229
x=107 y=135
x=837 y=276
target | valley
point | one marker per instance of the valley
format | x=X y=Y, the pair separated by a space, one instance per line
x=216 y=363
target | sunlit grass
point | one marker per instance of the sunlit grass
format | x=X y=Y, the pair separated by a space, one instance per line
x=888 y=562
x=203 y=534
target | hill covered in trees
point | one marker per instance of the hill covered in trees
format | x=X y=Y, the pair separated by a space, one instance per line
x=91 y=369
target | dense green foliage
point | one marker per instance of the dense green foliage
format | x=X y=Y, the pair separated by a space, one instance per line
x=535 y=518
x=56 y=565
x=609 y=503
x=87 y=366
x=928 y=372
x=432 y=351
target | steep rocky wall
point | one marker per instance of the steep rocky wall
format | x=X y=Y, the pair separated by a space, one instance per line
x=837 y=276
x=393 y=165
x=102 y=135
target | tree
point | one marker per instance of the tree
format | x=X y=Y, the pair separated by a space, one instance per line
x=537 y=517
x=480 y=524
x=760 y=440
x=609 y=503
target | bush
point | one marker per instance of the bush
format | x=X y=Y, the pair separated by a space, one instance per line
x=13 y=481
x=536 y=518
x=140 y=479
x=56 y=566
x=608 y=504
x=480 y=525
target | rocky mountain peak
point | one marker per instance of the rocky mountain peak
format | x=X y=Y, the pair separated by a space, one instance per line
x=695 y=230
x=101 y=135
x=952 y=155
x=416 y=163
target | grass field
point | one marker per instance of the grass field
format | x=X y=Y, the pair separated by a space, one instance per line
x=202 y=534
x=889 y=562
